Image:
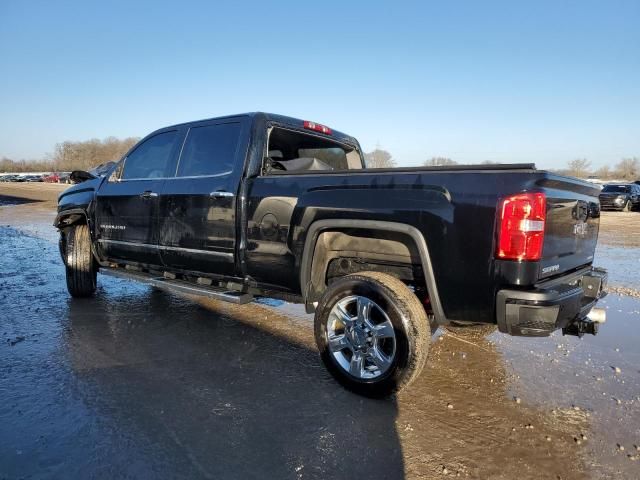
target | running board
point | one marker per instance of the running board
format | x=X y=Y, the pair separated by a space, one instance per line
x=180 y=286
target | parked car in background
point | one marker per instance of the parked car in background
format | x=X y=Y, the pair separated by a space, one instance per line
x=620 y=196
x=52 y=178
x=57 y=177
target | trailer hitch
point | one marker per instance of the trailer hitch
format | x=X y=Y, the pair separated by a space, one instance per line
x=589 y=324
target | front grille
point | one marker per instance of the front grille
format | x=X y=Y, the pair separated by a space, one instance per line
x=608 y=203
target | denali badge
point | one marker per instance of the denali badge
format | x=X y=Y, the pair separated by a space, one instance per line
x=580 y=228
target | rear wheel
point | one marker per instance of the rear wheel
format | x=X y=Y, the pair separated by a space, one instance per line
x=372 y=332
x=80 y=266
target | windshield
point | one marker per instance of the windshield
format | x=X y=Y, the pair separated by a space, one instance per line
x=616 y=189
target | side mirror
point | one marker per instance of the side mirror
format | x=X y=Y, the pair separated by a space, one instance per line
x=79 y=176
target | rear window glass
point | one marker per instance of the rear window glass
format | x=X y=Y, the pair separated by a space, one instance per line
x=616 y=188
x=209 y=150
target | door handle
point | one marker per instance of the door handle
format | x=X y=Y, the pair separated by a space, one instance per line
x=221 y=194
x=148 y=194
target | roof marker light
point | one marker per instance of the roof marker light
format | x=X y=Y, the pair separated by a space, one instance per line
x=316 y=127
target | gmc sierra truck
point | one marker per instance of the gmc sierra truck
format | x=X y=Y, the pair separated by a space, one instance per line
x=266 y=205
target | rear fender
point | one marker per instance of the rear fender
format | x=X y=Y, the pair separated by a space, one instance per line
x=418 y=245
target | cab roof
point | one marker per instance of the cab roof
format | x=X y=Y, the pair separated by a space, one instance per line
x=274 y=118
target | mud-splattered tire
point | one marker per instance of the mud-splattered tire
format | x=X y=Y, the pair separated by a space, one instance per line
x=80 y=266
x=384 y=369
x=627 y=206
x=474 y=331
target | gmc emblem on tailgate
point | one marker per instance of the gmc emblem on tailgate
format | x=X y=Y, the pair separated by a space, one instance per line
x=580 y=228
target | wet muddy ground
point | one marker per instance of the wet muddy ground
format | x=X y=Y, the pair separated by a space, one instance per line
x=140 y=383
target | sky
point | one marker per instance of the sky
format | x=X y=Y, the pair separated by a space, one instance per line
x=538 y=81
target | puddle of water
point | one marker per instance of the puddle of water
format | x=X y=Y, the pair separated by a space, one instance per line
x=622 y=264
x=8 y=201
x=562 y=372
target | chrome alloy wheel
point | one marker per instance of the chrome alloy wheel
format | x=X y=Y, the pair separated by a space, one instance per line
x=361 y=337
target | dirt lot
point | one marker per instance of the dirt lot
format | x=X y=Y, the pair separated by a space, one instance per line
x=621 y=229
x=141 y=383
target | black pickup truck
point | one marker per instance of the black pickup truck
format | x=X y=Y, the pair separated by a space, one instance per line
x=266 y=205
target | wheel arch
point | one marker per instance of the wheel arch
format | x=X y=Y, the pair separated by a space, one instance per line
x=405 y=240
x=68 y=218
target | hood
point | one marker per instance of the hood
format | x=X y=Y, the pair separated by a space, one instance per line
x=86 y=186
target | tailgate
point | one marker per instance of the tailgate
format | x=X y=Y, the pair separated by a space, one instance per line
x=571 y=229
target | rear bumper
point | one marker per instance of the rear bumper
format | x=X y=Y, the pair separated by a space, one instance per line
x=561 y=303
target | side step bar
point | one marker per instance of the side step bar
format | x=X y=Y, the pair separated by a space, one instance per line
x=180 y=286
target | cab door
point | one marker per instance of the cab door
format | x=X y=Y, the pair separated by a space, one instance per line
x=198 y=205
x=127 y=204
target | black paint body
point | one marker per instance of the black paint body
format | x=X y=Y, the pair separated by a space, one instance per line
x=257 y=236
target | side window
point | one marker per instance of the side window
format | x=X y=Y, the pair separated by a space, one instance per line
x=151 y=158
x=209 y=150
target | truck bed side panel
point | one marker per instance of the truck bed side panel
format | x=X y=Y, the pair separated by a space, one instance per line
x=455 y=211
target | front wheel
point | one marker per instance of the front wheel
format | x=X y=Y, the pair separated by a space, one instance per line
x=373 y=333
x=80 y=266
x=627 y=206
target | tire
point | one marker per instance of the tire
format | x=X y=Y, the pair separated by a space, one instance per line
x=386 y=364
x=80 y=266
x=627 y=206
x=473 y=331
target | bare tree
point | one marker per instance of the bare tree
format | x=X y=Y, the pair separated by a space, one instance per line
x=379 y=159
x=628 y=169
x=603 y=172
x=69 y=156
x=578 y=167
x=88 y=154
x=439 y=162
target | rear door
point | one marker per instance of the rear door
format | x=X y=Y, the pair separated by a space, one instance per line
x=571 y=230
x=127 y=203
x=198 y=205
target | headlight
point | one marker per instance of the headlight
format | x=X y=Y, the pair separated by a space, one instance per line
x=619 y=200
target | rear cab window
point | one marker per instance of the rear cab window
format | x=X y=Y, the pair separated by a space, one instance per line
x=291 y=151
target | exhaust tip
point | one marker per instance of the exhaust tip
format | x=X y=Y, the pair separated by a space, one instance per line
x=597 y=315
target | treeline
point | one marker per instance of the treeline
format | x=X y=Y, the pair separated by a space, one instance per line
x=625 y=169
x=379 y=158
x=68 y=156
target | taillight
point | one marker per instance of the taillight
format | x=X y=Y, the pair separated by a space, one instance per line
x=521 y=221
x=316 y=127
